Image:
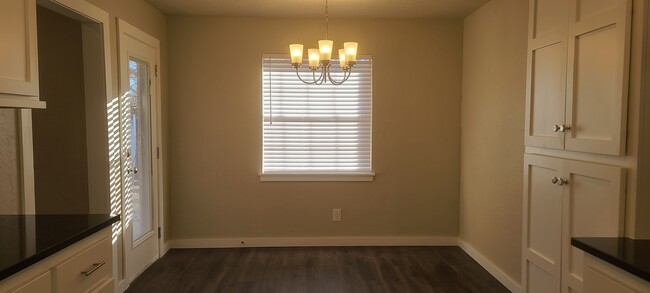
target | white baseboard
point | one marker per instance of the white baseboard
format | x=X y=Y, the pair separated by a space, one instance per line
x=314 y=241
x=495 y=271
x=121 y=286
x=165 y=248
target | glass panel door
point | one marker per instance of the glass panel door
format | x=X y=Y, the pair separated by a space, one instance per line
x=138 y=157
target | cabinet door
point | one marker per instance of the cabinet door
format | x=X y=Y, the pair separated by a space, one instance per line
x=19 y=70
x=542 y=225
x=546 y=76
x=593 y=205
x=597 y=77
x=601 y=277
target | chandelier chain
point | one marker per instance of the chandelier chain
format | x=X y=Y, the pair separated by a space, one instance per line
x=327 y=23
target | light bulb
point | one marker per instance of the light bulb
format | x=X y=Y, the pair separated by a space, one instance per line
x=296 y=54
x=342 y=61
x=351 y=52
x=314 y=58
x=325 y=47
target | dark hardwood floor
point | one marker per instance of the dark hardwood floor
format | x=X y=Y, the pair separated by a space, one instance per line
x=317 y=269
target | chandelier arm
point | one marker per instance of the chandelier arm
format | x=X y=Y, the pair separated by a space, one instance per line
x=322 y=76
x=346 y=75
x=307 y=82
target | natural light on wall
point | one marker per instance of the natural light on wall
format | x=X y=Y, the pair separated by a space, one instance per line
x=322 y=131
x=115 y=178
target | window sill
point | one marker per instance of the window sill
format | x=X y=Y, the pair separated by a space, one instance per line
x=283 y=176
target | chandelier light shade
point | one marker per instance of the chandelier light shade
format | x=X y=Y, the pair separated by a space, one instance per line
x=319 y=59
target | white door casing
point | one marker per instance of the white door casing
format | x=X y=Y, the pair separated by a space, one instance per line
x=141 y=170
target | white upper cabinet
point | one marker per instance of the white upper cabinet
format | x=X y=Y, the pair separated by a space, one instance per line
x=18 y=55
x=578 y=59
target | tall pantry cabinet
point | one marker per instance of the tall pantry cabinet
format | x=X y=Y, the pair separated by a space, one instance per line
x=576 y=102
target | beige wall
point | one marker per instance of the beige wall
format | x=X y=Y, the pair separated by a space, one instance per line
x=10 y=193
x=215 y=126
x=60 y=156
x=492 y=137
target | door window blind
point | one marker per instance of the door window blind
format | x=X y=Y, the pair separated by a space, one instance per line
x=316 y=128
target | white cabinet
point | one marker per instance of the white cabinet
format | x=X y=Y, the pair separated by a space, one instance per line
x=601 y=277
x=18 y=56
x=41 y=284
x=564 y=199
x=86 y=266
x=577 y=83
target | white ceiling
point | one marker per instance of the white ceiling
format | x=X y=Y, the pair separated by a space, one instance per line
x=315 y=8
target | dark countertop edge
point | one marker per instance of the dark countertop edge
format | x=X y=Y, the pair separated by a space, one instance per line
x=645 y=275
x=10 y=271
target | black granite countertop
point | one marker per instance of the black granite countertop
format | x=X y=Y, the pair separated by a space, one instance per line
x=628 y=254
x=27 y=239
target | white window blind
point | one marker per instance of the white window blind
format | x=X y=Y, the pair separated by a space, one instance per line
x=316 y=129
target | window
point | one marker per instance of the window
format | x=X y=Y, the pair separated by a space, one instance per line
x=316 y=132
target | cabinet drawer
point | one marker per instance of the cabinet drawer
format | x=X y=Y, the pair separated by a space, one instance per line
x=86 y=270
x=40 y=284
x=106 y=287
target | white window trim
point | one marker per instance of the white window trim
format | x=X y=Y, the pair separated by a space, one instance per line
x=315 y=177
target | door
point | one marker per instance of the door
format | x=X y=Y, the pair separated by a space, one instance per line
x=597 y=86
x=138 y=92
x=546 y=77
x=563 y=199
x=542 y=229
x=594 y=198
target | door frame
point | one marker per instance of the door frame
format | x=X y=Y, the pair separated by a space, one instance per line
x=91 y=18
x=90 y=15
x=125 y=29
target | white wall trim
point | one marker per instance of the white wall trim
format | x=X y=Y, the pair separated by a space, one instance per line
x=121 y=286
x=488 y=265
x=165 y=248
x=313 y=241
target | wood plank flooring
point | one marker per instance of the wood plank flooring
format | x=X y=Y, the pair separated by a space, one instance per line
x=317 y=269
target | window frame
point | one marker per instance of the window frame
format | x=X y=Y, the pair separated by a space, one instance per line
x=298 y=176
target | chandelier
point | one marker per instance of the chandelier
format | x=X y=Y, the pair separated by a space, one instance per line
x=319 y=59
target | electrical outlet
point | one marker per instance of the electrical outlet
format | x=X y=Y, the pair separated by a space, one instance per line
x=336 y=215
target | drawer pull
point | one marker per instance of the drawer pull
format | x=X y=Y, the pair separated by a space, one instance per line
x=96 y=266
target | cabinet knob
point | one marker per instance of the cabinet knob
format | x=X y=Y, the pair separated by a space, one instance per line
x=554 y=180
x=562 y=181
x=556 y=128
x=565 y=128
